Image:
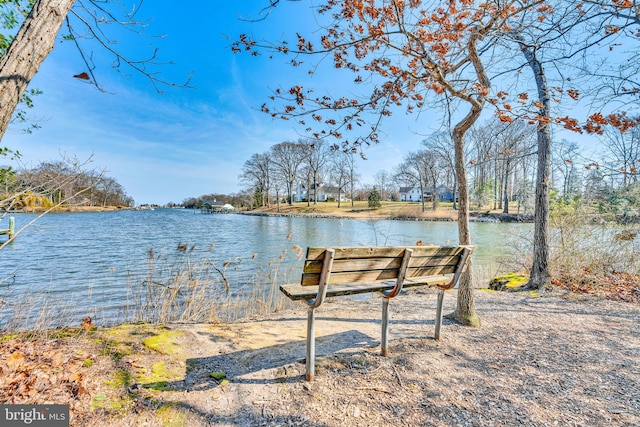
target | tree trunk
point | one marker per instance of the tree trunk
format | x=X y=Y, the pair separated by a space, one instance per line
x=465 y=312
x=290 y=193
x=496 y=197
x=434 y=196
x=540 y=278
x=506 y=188
x=32 y=44
x=455 y=190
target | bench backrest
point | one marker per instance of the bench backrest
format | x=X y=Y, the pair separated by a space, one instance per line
x=361 y=264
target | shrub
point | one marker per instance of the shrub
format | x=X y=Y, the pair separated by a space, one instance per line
x=374 y=199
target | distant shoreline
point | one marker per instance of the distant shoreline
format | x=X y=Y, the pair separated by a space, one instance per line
x=302 y=211
x=474 y=217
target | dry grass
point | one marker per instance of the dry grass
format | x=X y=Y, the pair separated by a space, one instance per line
x=197 y=288
x=415 y=211
x=601 y=259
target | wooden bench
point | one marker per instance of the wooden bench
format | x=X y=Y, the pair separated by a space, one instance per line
x=332 y=272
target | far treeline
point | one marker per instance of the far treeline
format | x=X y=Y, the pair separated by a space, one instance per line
x=501 y=172
x=52 y=185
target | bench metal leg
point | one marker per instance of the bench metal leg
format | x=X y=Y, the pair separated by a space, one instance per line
x=384 y=344
x=311 y=345
x=439 y=313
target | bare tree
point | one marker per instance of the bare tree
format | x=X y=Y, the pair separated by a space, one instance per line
x=354 y=176
x=341 y=172
x=257 y=175
x=559 y=47
x=623 y=149
x=564 y=160
x=286 y=158
x=316 y=155
x=441 y=144
x=412 y=172
x=513 y=143
x=384 y=182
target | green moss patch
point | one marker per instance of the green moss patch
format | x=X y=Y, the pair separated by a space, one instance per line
x=158 y=376
x=164 y=342
x=121 y=378
x=508 y=282
x=173 y=415
x=217 y=375
x=115 y=349
x=102 y=402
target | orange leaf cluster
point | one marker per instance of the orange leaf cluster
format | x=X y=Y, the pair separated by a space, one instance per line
x=596 y=122
x=574 y=94
x=409 y=47
x=504 y=117
x=569 y=123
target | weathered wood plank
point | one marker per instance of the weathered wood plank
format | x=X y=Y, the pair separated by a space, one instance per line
x=383 y=251
x=350 y=276
x=426 y=281
x=424 y=261
x=344 y=265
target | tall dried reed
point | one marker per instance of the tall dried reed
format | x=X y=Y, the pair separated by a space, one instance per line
x=195 y=287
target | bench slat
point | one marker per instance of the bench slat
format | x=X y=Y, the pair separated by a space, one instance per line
x=426 y=281
x=383 y=251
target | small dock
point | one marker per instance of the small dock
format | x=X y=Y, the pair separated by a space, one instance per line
x=11 y=231
x=216 y=208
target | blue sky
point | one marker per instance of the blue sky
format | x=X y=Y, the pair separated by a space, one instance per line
x=185 y=142
x=189 y=142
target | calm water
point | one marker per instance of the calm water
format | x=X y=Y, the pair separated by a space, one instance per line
x=87 y=260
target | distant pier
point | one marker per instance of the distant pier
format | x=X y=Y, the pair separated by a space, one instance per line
x=11 y=231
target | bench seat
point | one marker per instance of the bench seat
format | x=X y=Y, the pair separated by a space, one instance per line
x=298 y=292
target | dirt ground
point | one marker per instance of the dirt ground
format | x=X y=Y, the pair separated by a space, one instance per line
x=561 y=359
